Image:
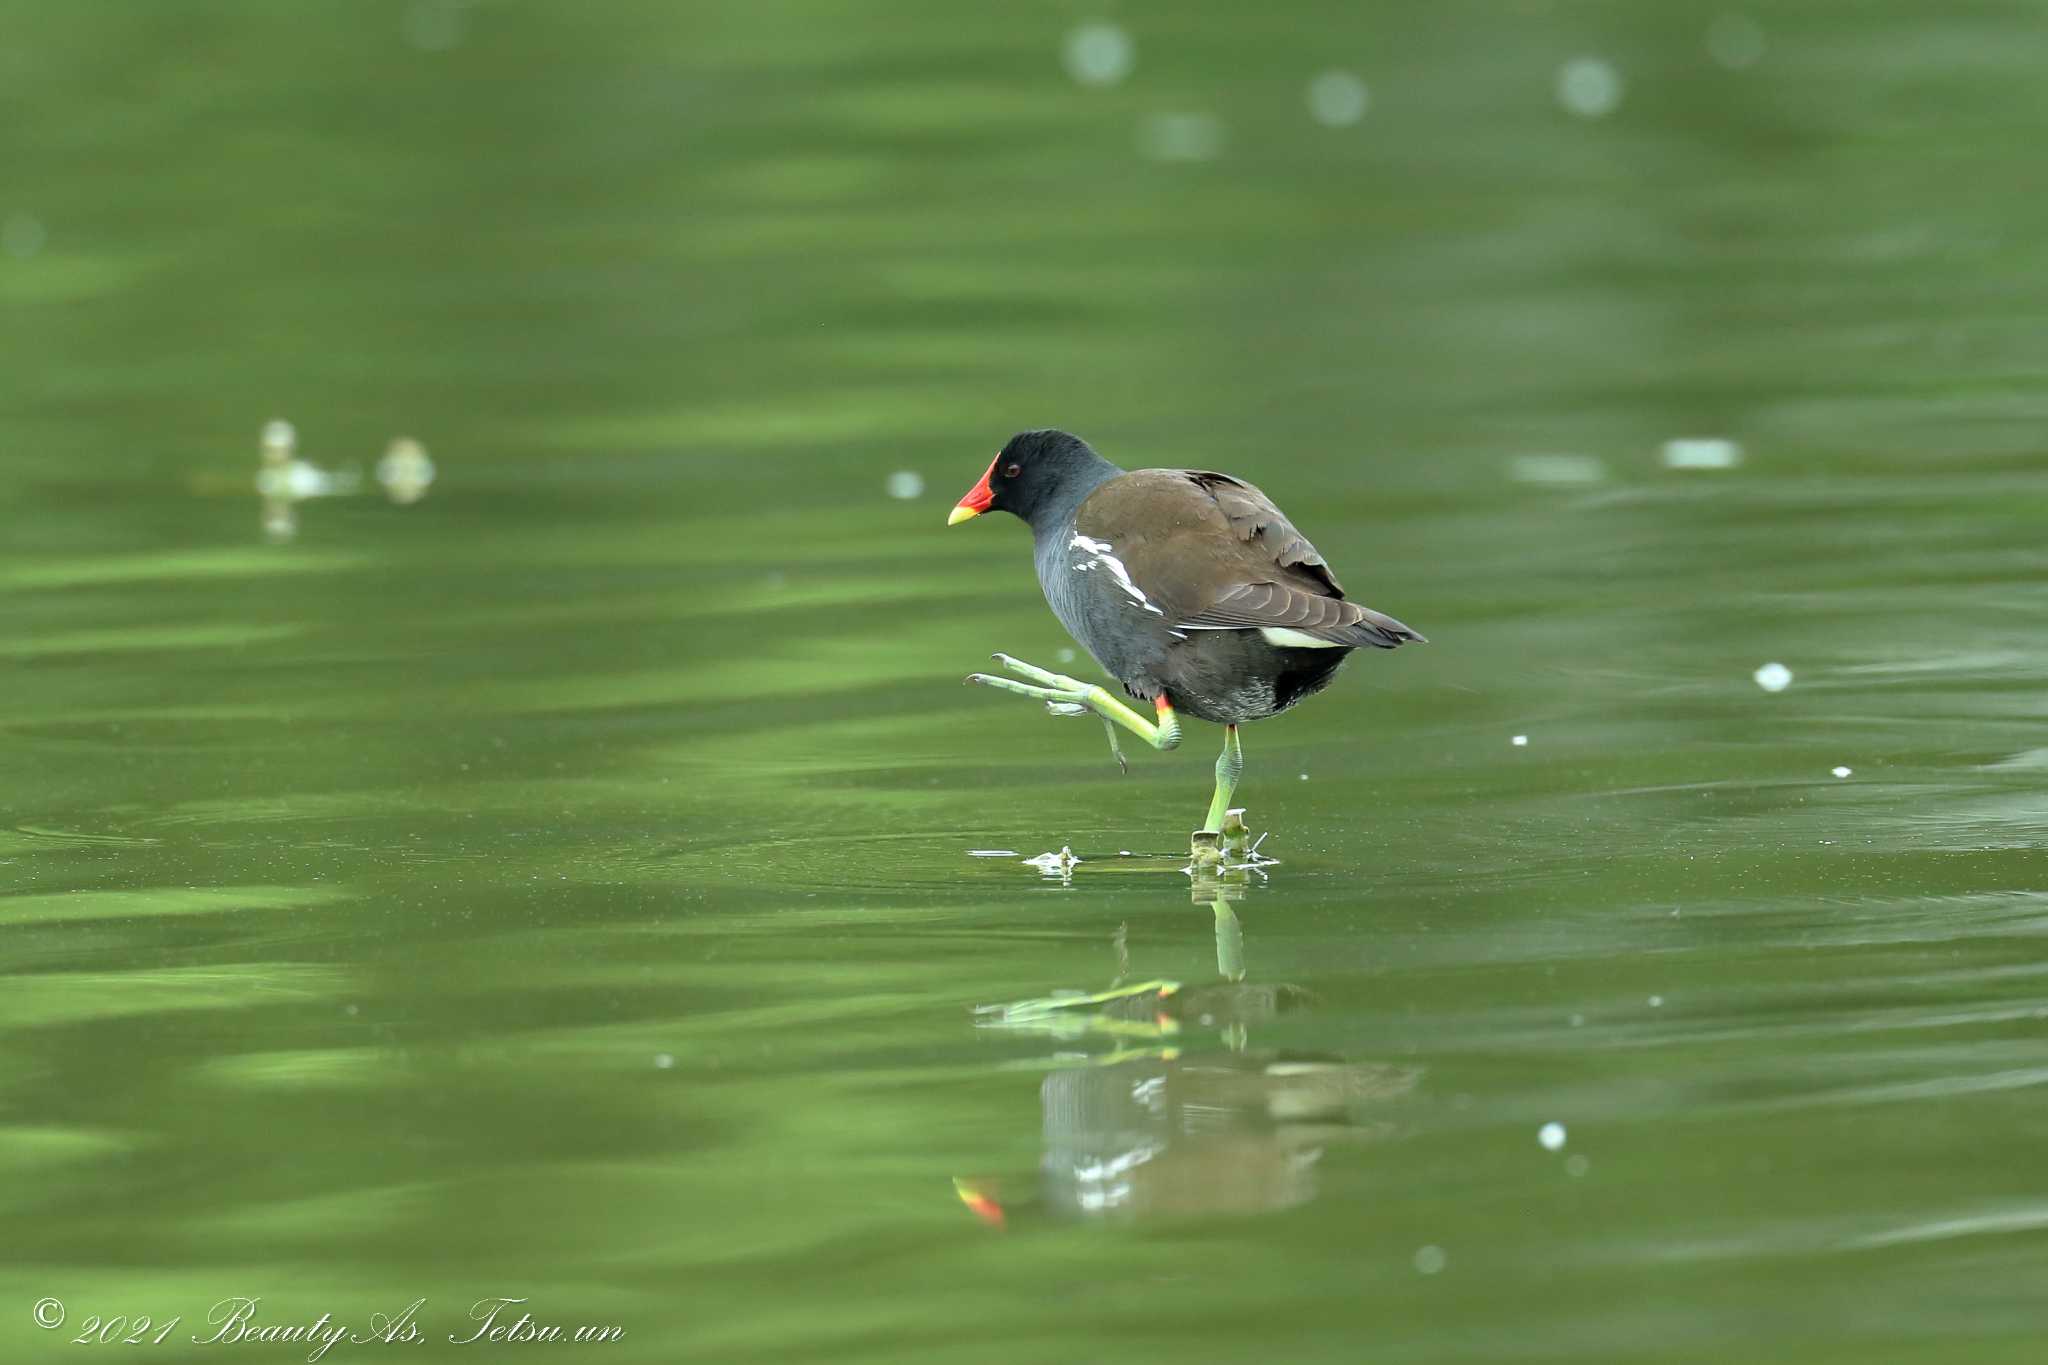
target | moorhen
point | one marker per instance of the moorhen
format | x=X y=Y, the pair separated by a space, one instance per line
x=1190 y=588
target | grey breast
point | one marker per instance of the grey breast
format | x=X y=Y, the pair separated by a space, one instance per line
x=1089 y=589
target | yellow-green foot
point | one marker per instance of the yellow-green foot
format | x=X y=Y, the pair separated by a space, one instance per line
x=1065 y=696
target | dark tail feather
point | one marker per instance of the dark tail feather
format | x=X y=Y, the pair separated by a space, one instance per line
x=1384 y=632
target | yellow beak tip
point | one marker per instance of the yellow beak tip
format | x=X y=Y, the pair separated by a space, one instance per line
x=960 y=514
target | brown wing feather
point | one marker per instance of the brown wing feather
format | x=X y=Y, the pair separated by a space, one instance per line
x=1214 y=552
x=1254 y=517
x=1326 y=618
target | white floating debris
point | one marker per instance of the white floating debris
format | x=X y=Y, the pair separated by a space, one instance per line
x=1843 y=770
x=1557 y=469
x=1304 y=777
x=1656 y=1002
x=1736 y=41
x=283 y=479
x=280 y=520
x=22 y=235
x=1702 y=452
x=1054 y=864
x=1338 y=99
x=1588 y=87
x=1098 y=53
x=1520 y=741
x=406 y=471
x=1773 y=677
x=1430 y=1259
x=991 y=852
x=663 y=1061
x=296 y=480
x=1551 y=1135
x=302 y=480
x=1180 y=137
x=905 y=484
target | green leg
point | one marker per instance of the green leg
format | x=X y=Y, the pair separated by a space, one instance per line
x=1064 y=696
x=1229 y=767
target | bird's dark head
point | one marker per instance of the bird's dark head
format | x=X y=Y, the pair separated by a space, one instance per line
x=1037 y=472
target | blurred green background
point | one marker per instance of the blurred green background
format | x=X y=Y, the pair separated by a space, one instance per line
x=560 y=888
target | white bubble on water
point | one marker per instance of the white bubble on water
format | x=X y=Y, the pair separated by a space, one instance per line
x=1843 y=770
x=1551 y=1135
x=1656 y=1002
x=1065 y=654
x=1589 y=87
x=663 y=1061
x=1180 y=137
x=905 y=484
x=1576 y=1166
x=1736 y=41
x=1701 y=452
x=1098 y=53
x=1773 y=677
x=1430 y=1259
x=1337 y=99
x=22 y=235
x=405 y=471
x=1520 y=741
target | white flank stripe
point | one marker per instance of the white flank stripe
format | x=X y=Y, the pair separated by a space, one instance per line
x=1100 y=549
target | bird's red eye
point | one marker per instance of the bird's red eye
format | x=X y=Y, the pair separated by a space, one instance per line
x=1011 y=471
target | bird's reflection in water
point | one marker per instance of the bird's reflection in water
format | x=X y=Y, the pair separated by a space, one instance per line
x=1173 y=1110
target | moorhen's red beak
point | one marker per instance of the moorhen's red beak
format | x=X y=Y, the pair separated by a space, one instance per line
x=977 y=500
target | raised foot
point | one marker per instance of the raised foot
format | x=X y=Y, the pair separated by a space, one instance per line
x=1065 y=696
x=1062 y=695
x=1037 y=674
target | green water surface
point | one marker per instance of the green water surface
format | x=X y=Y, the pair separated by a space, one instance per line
x=561 y=889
